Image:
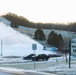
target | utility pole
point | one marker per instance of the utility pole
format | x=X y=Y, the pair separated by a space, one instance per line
x=69 y=54
x=1 y=46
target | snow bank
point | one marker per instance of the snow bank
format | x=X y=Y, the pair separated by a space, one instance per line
x=10 y=36
x=16 y=44
x=21 y=71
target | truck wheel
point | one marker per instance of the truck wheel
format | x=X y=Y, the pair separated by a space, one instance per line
x=46 y=58
x=36 y=59
x=43 y=59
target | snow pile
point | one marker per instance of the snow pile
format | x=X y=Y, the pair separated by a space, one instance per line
x=17 y=44
x=10 y=36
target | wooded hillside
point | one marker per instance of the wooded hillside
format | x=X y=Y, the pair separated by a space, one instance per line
x=19 y=20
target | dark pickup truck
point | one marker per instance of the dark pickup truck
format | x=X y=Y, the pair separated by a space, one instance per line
x=40 y=57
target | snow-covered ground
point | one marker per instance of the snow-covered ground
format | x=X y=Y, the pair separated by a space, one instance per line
x=30 y=32
x=56 y=66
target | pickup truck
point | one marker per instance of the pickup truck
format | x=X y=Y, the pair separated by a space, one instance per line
x=40 y=57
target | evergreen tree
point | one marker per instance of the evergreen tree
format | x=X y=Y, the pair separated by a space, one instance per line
x=55 y=40
x=39 y=34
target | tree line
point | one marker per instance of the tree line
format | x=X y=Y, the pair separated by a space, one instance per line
x=53 y=39
x=19 y=20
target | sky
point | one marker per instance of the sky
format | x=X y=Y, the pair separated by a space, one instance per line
x=46 y=11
